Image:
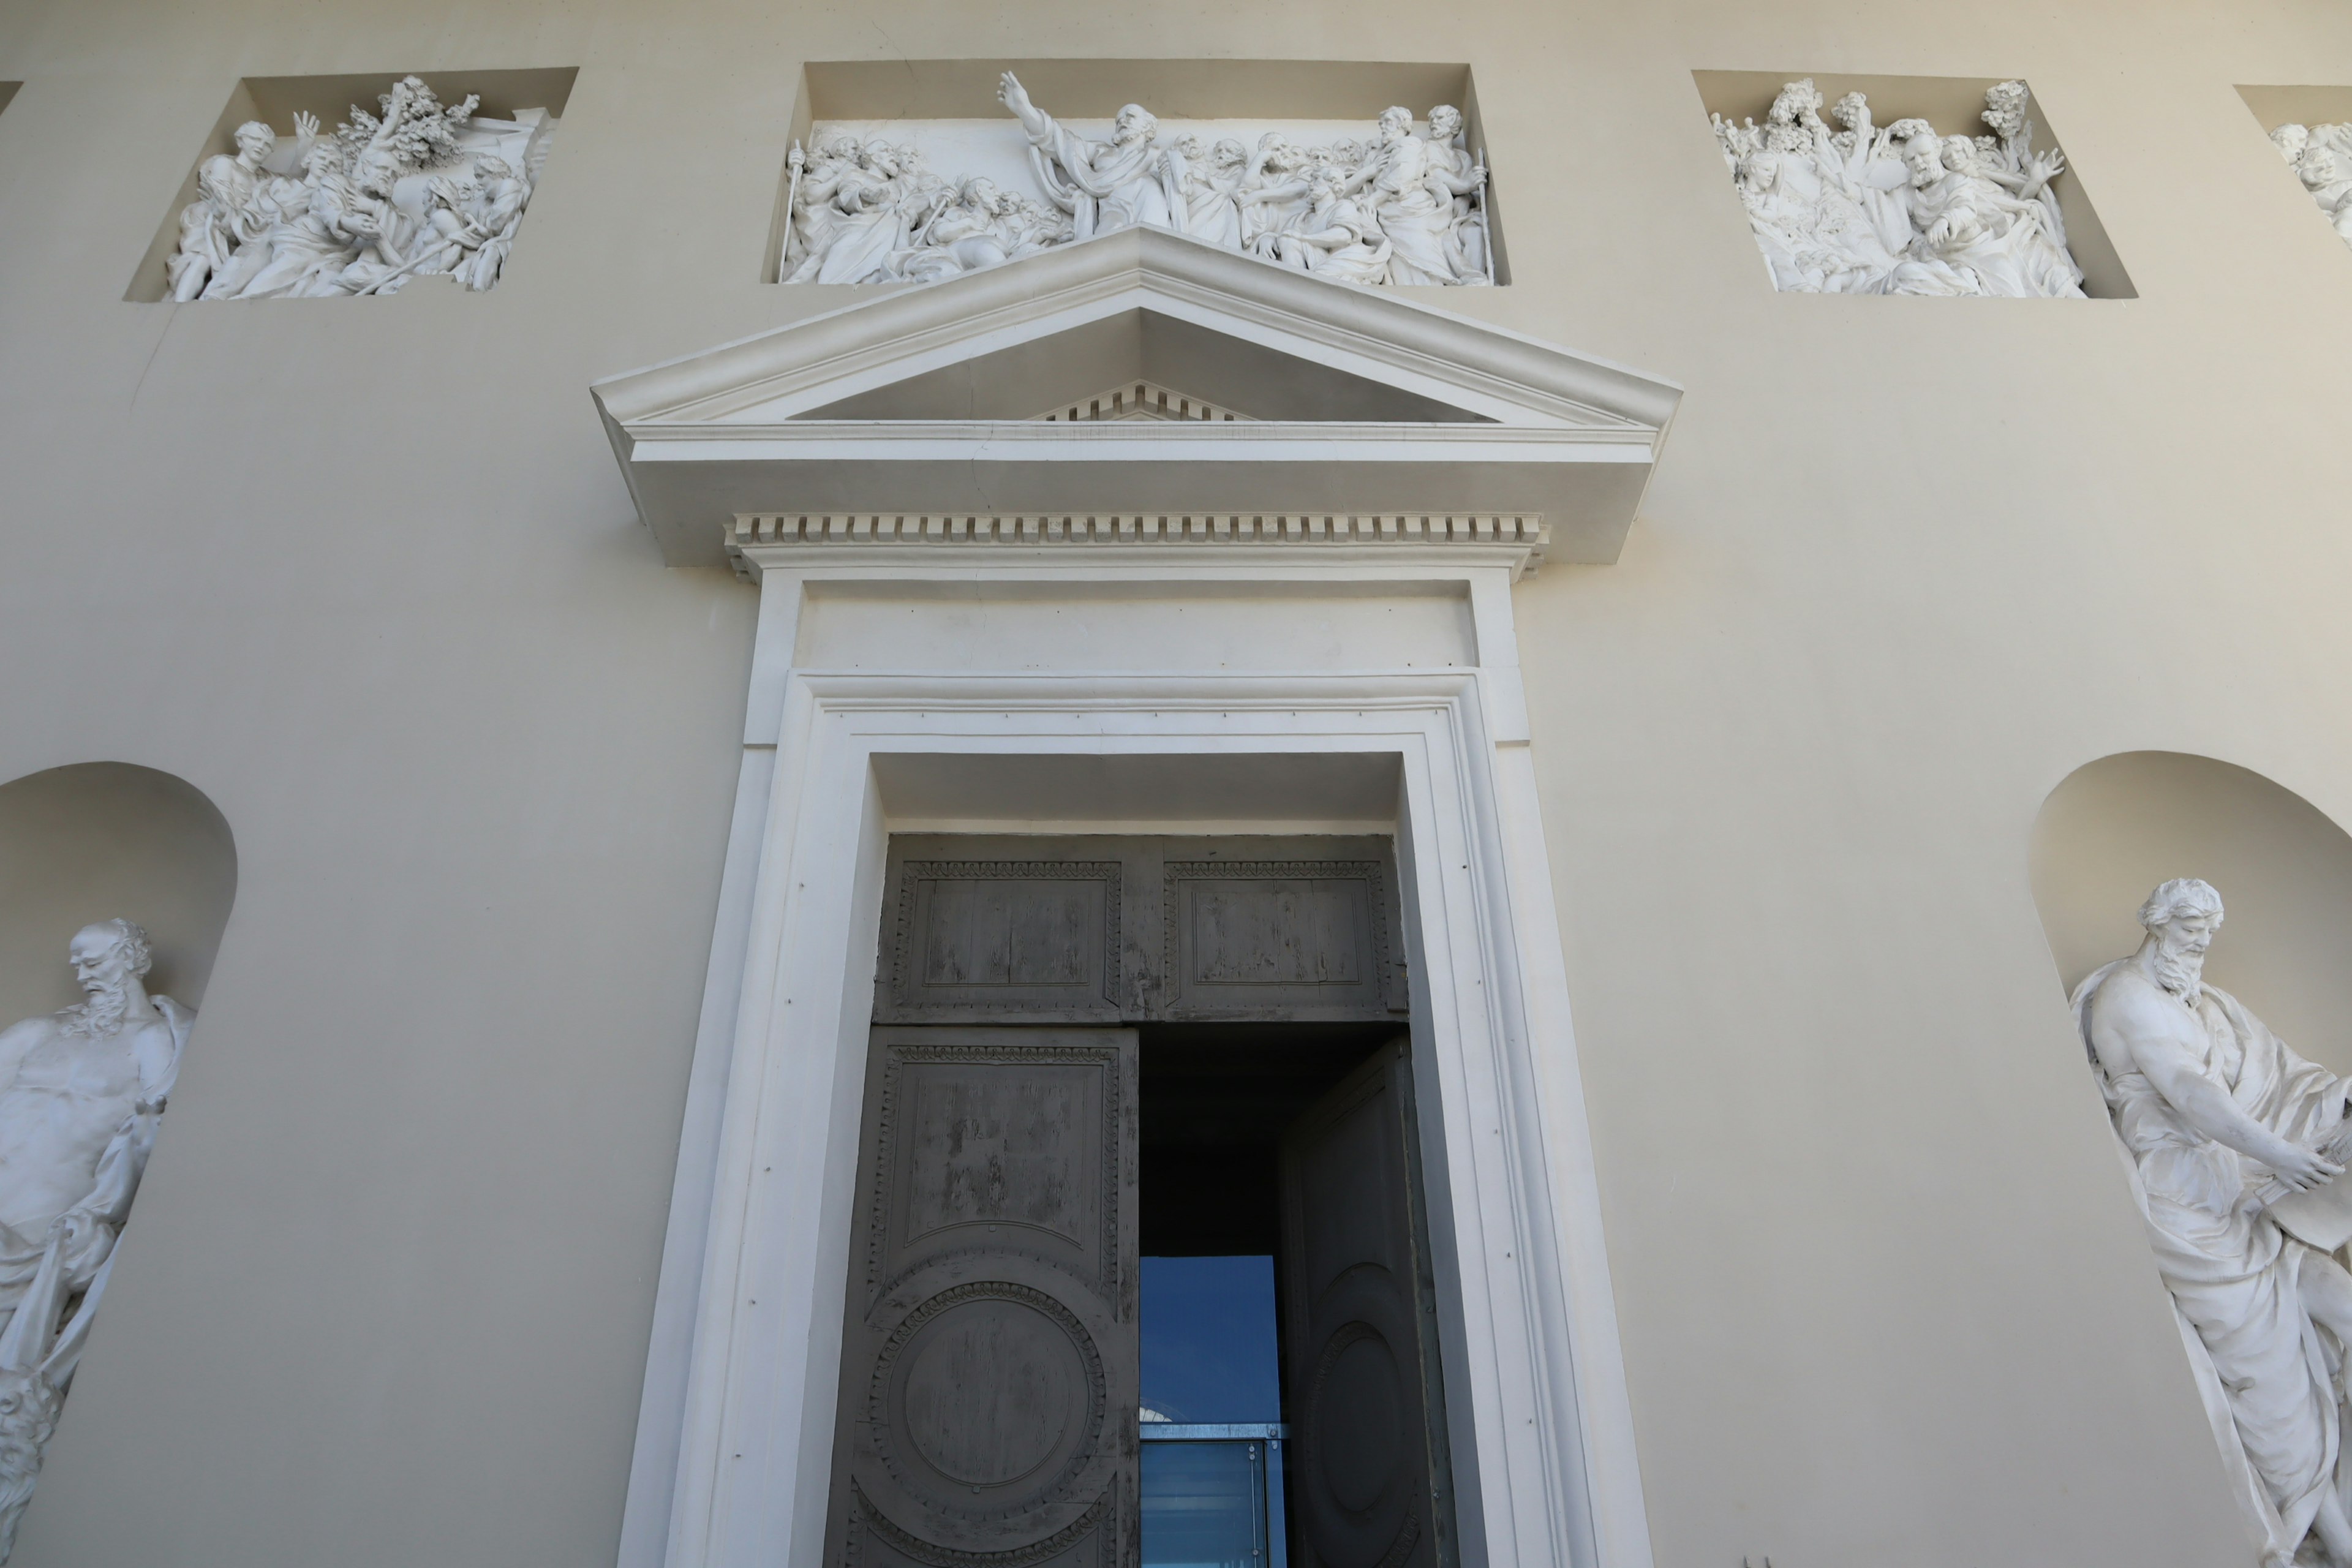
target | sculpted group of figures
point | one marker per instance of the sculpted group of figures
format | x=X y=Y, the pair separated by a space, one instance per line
x=2238 y=1144
x=416 y=191
x=1404 y=207
x=1862 y=210
x=81 y=1095
x=2321 y=157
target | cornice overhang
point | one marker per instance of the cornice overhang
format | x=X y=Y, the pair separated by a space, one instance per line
x=1524 y=428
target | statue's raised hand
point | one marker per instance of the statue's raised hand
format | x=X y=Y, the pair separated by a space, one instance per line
x=305 y=126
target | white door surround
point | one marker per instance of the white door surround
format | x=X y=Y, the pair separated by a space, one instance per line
x=1065 y=643
x=735 y=1441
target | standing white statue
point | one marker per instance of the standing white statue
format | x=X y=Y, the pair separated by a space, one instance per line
x=81 y=1093
x=2225 y=1126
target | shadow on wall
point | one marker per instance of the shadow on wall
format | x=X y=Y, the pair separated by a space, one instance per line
x=96 y=840
x=2117 y=827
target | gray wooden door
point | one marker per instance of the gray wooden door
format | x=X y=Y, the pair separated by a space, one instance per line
x=1369 y=1484
x=989 y=1378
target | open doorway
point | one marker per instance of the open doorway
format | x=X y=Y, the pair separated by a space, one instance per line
x=1155 y=1293
x=1216 y=1101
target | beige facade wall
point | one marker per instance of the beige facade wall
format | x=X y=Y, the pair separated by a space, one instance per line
x=365 y=574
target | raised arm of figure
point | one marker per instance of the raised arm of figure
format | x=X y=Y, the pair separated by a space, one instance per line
x=1034 y=120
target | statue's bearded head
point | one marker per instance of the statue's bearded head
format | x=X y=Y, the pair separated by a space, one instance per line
x=108 y=960
x=2181 y=916
x=1924 y=156
x=1444 y=123
x=1396 y=124
x=1135 y=123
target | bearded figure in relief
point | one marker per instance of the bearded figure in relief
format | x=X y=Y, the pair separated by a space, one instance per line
x=81 y=1093
x=2237 y=1142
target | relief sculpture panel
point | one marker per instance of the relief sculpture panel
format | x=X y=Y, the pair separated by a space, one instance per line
x=1395 y=205
x=1899 y=209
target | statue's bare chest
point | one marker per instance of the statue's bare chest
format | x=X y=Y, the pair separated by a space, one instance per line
x=78 y=1069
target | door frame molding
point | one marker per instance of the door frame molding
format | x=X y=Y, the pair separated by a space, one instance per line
x=735 y=1438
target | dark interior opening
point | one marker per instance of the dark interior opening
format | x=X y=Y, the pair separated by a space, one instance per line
x=1216 y=1099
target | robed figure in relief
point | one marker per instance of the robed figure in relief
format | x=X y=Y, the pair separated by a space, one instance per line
x=1104 y=186
x=2223 y=1125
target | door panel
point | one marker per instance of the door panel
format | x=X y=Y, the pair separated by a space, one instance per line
x=989 y=1376
x=1298 y=940
x=1104 y=929
x=1369 y=1484
x=1018 y=940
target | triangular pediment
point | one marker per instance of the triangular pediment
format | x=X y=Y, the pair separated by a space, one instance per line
x=1066 y=379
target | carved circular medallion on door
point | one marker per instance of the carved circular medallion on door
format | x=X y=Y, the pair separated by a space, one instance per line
x=1360 y=1423
x=988 y=1402
x=1358 y=1408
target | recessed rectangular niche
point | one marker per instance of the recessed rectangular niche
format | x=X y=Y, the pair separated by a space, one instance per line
x=7 y=91
x=948 y=111
x=2319 y=160
x=275 y=100
x=1951 y=107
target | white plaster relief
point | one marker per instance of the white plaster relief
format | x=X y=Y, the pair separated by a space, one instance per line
x=2321 y=157
x=1901 y=210
x=2236 y=1145
x=1400 y=206
x=418 y=190
x=81 y=1095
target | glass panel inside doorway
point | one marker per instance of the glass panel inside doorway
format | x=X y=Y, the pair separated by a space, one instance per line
x=1211 y=1418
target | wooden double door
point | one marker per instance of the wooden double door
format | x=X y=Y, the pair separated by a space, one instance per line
x=989 y=1384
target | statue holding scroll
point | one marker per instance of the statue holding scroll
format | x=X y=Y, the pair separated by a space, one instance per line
x=2236 y=1142
x=81 y=1093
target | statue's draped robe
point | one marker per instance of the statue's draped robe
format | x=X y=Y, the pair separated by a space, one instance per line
x=1104 y=186
x=1413 y=217
x=2233 y=1273
x=39 y=1275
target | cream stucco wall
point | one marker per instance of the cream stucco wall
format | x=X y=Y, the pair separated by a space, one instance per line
x=365 y=574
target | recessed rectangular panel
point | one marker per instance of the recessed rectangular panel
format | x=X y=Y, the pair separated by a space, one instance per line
x=1029 y=939
x=1296 y=939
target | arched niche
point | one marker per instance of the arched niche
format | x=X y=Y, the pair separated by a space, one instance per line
x=2117 y=827
x=94 y=840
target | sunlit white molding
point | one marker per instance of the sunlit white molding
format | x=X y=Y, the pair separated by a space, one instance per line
x=756 y=540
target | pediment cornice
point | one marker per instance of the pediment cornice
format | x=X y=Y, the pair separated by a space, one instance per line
x=922 y=402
